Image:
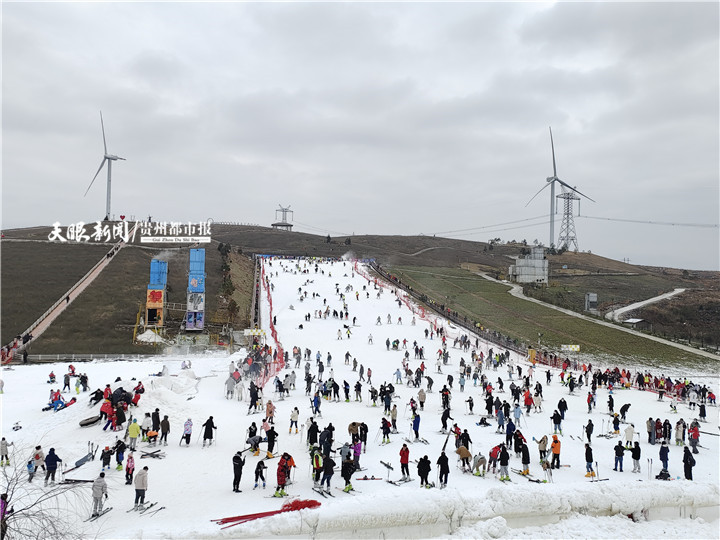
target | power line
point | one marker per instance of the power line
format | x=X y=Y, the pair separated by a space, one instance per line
x=670 y=223
x=492 y=226
x=321 y=229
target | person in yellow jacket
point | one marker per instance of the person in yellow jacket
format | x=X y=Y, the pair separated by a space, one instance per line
x=133 y=432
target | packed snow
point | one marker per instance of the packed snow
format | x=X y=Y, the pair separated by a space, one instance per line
x=193 y=484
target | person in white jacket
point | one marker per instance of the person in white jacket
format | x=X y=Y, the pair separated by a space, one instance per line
x=99 y=494
x=141 y=485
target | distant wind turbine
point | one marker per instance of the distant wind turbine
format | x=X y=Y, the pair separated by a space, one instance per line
x=551 y=182
x=107 y=158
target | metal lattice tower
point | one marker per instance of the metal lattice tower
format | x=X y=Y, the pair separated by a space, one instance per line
x=283 y=224
x=568 y=238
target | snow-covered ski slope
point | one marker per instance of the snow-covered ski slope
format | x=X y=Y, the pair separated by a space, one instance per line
x=195 y=484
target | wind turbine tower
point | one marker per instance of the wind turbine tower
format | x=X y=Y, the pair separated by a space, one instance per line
x=568 y=227
x=107 y=158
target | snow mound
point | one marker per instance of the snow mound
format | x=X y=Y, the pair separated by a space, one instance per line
x=184 y=383
x=148 y=336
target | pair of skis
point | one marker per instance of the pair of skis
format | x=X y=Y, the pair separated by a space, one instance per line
x=101 y=514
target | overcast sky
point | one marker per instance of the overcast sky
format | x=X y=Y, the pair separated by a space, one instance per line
x=371 y=118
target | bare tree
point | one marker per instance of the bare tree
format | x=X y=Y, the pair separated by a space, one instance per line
x=39 y=512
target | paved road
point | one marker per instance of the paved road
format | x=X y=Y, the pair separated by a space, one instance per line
x=615 y=315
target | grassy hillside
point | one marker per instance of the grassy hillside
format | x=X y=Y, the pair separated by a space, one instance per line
x=490 y=304
x=35 y=275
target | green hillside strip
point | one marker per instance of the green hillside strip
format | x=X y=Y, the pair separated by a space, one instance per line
x=491 y=305
x=35 y=275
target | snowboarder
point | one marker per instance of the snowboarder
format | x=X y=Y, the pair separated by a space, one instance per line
x=423 y=469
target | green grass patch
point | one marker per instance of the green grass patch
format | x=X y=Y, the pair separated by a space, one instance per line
x=490 y=304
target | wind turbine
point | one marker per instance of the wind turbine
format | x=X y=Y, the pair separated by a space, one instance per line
x=107 y=158
x=551 y=182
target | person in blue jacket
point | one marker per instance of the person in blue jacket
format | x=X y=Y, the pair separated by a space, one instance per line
x=664 y=454
x=416 y=426
x=51 y=463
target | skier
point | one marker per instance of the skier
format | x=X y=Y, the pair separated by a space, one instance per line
x=557 y=422
x=348 y=468
x=404 y=460
x=589 y=461
x=416 y=426
x=165 y=430
x=99 y=489
x=385 y=426
x=294 y=415
x=423 y=469
x=259 y=475
x=187 y=432
x=141 y=485
x=636 y=457
x=317 y=465
x=619 y=453
x=555 y=447
x=129 y=469
x=105 y=457
x=238 y=464
x=504 y=459
x=589 y=430
x=328 y=471
x=689 y=463
x=464 y=455
x=525 y=454
x=444 y=469
x=4 y=456
x=120 y=448
x=664 y=454
x=133 y=432
x=209 y=425
x=479 y=461
x=271 y=436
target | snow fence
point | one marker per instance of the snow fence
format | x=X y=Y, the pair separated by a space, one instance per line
x=414 y=513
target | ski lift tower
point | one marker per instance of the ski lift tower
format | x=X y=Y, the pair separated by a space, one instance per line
x=283 y=224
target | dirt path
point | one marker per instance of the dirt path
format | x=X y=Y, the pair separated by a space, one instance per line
x=516 y=291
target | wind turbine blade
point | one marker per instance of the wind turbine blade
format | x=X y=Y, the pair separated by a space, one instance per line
x=96 y=174
x=102 y=125
x=575 y=190
x=552 y=146
x=538 y=193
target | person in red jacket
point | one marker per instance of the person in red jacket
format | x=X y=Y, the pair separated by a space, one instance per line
x=105 y=409
x=404 y=460
x=107 y=391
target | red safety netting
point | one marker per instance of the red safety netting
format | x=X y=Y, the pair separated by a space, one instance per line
x=278 y=363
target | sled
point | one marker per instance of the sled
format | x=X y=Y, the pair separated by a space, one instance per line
x=90 y=421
